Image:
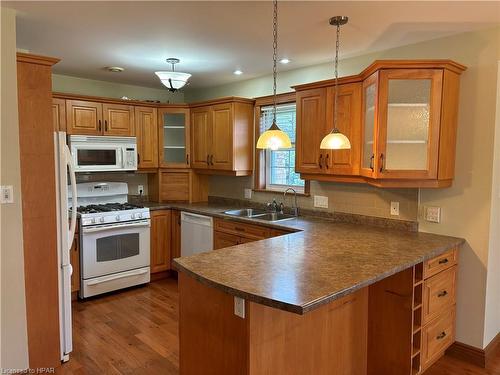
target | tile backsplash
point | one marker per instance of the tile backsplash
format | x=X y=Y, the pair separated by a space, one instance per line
x=349 y=198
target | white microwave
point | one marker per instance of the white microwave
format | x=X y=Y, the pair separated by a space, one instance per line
x=103 y=153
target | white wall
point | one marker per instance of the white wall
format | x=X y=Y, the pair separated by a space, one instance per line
x=91 y=87
x=14 y=342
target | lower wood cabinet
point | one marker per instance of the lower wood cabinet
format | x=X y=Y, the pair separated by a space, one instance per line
x=161 y=235
x=222 y=240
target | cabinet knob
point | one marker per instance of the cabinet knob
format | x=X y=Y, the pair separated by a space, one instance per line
x=187 y=159
x=208 y=159
x=100 y=127
x=105 y=125
x=443 y=293
x=138 y=158
x=441 y=336
x=326 y=160
x=443 y=261
x=320 y=161
x=371 y=162
x=381 y=169
x=212 y=159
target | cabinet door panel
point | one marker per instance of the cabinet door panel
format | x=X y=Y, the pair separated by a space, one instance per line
x=369 y=125
x=146 y=130
x=200 y=137
x=222 y=240
x=174 y=138
x=59 y=114
x=160 y=240
x=83 y=117
x=409 y=117
x=221 y=150
x=346 y=162
x=311 y=128
x=118 y=119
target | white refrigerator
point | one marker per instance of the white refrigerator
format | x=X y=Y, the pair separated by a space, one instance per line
x=65 y=234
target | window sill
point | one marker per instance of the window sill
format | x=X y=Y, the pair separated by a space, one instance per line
x=280 y=192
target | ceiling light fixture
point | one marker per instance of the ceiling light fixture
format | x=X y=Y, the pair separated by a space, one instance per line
x=171 y=79
x=115 y=69
x=284 y=60
x=238 y=72
x=274 y=138
x=335 y=140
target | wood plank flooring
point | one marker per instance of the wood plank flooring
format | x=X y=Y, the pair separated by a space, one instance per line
x=135 y=332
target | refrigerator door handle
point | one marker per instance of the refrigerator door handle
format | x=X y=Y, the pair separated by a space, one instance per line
x=74 y=204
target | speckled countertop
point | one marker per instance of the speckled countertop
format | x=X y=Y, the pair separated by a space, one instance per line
x=322 y=261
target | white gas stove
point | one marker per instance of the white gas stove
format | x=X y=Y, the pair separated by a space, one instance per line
x=114 y=238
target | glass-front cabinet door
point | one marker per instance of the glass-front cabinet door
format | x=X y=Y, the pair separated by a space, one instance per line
x=368 y=131
x=174 y=137
x=408 y=124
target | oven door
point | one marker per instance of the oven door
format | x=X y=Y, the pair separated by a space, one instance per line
x=97 y=157
x=113 y=248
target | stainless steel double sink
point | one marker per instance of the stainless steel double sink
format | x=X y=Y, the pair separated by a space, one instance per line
x=253 y=213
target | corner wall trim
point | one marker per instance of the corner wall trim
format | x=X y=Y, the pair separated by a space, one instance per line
x=471 y=354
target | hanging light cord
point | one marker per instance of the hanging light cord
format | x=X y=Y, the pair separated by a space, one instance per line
x=337 y=45
x=275 y=54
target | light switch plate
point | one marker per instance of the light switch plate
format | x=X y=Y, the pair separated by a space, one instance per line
x=239 y=307
x=248 y=193
x=7 y=194
x=320 y=201
x=433 y=214
x=395 y=208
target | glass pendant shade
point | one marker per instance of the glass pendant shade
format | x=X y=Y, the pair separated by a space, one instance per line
x=274 y=139
x=173 y=80
x=335 y=141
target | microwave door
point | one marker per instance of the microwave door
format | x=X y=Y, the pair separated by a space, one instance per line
x=94 y=158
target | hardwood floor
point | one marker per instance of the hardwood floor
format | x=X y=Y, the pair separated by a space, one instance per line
x=135 y=332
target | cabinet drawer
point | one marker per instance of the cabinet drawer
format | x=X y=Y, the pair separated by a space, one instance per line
x=440 y=263
x=439 y=293
x=437 y=336
x=247 y=230
x=222 y=240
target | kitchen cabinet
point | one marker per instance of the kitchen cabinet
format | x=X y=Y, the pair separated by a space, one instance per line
x=174 y=137
x=222 y=137
x=146 y=132
x=75 y=264
x=400 y=117
x=59 y=114
x=160 y=240
x=176 y=236
x=177 y=185
x=315 y=119
x=94 y=118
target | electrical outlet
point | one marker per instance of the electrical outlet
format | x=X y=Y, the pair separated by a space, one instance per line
x=320 y=201
x=395 y=208
x=7 y=194
x=248 y=193
x=140 y=189
x=433 y=214
x=239 y=307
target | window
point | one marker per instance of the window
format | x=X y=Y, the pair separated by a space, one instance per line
x=280 y=164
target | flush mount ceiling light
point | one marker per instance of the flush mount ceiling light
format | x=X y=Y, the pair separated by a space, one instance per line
x=238 y=72
x=336 y=140
x=115 y=69
x=173 y=80
x=284 y=60
x=274 y=138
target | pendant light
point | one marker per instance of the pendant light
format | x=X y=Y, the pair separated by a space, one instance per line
x=274 y=138
x=335 y=140
x=173 y=80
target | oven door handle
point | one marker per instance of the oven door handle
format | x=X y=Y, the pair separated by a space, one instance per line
x=105 y=279
x=103 y=228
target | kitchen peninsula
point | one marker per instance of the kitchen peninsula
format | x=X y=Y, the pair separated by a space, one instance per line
x=331 y=298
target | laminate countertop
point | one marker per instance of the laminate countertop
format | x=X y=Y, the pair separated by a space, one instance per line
x=320 y=262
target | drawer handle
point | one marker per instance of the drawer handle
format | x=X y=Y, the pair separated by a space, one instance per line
x=443 y=261
x=443 y=293
x=441 y=336
x=240 y=229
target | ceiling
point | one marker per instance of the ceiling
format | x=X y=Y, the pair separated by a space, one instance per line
x=214 y=38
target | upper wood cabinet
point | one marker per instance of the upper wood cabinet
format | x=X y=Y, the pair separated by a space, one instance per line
x=400 y=117
x=222 y=137
x=59 y=114
x=146 y=132
x=174 y=142
x=93 y=118
x=315 y=118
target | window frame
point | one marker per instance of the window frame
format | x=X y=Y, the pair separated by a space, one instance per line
x=262 y=168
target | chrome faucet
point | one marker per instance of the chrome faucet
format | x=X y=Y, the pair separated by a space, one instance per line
x=274 y=206
x=295 y=209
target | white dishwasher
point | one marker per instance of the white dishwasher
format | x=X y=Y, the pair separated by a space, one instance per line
x=197 y=233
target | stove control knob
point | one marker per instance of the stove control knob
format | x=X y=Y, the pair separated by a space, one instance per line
x=132 y=216
x=117 y=218
x=92 y=220
x=101 y=219
x=139 y=215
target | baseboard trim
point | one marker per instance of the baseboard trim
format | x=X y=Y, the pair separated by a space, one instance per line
x=471 y=354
